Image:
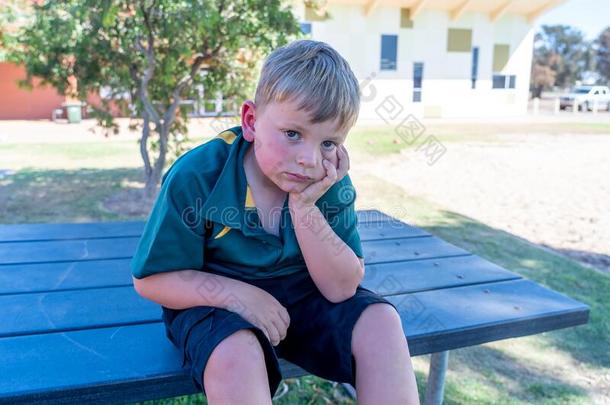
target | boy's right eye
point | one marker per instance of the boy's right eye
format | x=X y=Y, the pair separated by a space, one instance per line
x=293 y=135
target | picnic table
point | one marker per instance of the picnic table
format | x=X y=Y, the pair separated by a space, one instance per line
x=72 y=328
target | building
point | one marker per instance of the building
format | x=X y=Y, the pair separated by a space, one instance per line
x=429 y=58
x=432 y=58
x=20 y=103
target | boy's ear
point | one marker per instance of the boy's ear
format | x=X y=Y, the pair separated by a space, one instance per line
x=248 y=119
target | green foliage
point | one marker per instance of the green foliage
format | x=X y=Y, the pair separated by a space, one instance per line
x=561 y=55
x=602 y=55
x=146 y=55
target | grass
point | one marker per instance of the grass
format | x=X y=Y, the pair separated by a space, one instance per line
x=378 y=143
x=71 y=182
x=35 y=195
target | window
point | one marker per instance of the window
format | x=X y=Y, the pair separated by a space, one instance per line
x=306 y=28
x=459 y=40
x=504 y=81
x=405 y=18
x=500 y=59
x=389 y=49
x=418 y=76
x=474 y=72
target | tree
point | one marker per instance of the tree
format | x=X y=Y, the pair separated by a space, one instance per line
x=561 y=55
x=150 y=54
x=602 y=55
x=542 y=77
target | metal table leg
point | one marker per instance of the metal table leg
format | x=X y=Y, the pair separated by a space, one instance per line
x=436 y=378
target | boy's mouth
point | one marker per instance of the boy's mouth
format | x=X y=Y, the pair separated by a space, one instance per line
x=297 y=177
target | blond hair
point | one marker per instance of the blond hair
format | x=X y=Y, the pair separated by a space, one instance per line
x=314 y=75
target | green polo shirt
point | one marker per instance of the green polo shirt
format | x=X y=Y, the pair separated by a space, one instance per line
x=205 y=218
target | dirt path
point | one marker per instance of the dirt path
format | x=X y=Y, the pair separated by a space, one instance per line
x=553 y=190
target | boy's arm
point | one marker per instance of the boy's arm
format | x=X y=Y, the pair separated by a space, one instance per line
x=332 y=264
x=190 y=288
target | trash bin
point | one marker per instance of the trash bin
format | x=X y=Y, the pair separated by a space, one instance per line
x=73 y=111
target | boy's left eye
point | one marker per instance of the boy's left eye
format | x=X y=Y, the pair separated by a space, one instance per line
x=328 y=144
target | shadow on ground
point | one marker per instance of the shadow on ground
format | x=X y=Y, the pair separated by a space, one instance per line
x=84 y=195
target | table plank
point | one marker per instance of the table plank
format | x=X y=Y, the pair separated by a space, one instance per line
x=41 y=277
x=92 y=230
x=49 y=232
x=120 y=360
x=376 y=250
x=423 y=275
x=67 y=250
x=395 y=250
x=24 y=314
x=447 y=319
x=384 y=278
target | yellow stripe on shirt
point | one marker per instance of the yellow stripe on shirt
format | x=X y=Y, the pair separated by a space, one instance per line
x=249 y=203
x=222 y=233
x=227 y=136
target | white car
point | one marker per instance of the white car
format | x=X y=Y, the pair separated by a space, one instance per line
x=586 y=96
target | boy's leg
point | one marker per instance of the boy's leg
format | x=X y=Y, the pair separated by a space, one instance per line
x=356 y=341
x=226 y=351
x=236 y=373
x=384 y=373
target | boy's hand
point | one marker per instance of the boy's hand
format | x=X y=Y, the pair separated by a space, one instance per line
x=264 y=311
x=313 y=192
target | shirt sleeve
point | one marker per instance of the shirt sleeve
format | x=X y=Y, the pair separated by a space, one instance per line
x=173 y=237
x=341 y=214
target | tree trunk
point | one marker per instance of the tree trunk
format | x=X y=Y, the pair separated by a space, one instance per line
x=151 y=187
x=154 y=172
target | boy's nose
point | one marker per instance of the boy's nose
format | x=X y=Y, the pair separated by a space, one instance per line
x=308 y=159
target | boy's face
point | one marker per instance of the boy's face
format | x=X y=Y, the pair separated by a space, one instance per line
x=288 y=147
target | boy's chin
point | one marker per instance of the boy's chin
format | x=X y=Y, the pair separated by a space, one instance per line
x=290 y=187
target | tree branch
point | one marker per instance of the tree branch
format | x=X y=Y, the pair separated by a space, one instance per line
x=149 y=52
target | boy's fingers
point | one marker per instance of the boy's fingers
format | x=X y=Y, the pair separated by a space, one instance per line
x=346 y=156
x=273 y=334
x=265 y=333
x=285 y=317
x=343 y=160
x=278 y=323
x=331 y=171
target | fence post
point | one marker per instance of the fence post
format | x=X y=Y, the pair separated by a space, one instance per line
x=556 y=108
x=536 y=105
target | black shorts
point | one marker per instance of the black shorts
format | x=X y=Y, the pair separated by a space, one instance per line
x=318 y=338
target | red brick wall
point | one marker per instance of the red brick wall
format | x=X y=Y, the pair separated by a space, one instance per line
x=17 y=103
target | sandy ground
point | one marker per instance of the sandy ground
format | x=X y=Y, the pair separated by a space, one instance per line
x=553 y=190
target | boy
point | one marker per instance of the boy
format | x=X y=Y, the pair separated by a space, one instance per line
x=252 y=249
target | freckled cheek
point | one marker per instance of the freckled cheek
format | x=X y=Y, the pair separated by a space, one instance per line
x=274 y=161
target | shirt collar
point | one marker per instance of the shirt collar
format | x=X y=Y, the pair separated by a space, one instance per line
x=231 y=202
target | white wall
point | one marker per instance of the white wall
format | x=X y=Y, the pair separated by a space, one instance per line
x=447 y=85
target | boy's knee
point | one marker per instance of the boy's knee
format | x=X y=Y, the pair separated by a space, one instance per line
x=378 y=322
x=233 y=353
x=379 y=315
